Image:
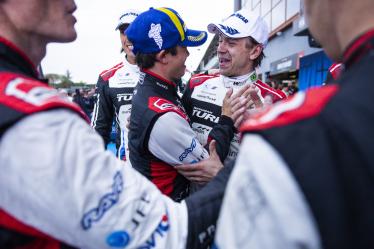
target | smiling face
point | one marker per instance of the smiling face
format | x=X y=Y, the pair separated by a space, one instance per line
x=234 y=56
x=127 y=46
x=176 y=63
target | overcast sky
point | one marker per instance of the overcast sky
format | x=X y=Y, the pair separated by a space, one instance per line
x=97 y=46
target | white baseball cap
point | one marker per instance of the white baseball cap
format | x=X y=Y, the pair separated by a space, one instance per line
x=128 y=17
x=242 y=23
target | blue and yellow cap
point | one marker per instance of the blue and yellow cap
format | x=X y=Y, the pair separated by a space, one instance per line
x=162 y=28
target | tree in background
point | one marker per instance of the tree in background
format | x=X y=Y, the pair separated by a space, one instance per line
x=64 y=81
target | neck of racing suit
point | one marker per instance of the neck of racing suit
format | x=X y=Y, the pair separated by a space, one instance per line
x=239 y=81
x=132 y=67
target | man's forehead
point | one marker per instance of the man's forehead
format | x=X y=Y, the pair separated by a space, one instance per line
x=222 y=36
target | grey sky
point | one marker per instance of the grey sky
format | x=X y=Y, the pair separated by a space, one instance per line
x=97 y=47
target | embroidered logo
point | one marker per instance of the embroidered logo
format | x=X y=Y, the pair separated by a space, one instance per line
x=105 y=203
x=188 y=150
x=245 y=20
x=155 y=34
x=196 y=38
x=229 y=30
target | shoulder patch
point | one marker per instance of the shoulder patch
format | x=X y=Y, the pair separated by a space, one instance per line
x=266 y=90
x=199 y=79
x=300 y=106
x=336 y=70
x=28 y=95
x=161 y=105
x=107 y=74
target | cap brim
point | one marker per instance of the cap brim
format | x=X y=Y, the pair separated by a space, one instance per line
x=217 y=28
x=194 y=38
x=126 y=20
x=213 y=28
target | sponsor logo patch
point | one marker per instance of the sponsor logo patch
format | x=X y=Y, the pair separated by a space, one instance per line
x=188 y=150
x=204 y=114
x=229 y=30
x=118 y=239
x=162 y=105
x=155 y=33
x=158 y=234
x=202 y=129
x=238 y=15
x=124 y=97
x=141 y=211
x=37 y=96
x=105 y=203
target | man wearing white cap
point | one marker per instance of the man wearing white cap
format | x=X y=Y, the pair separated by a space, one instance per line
x=242 y=38
x=115 y=87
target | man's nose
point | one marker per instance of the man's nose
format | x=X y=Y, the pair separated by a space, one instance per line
x=221 y=48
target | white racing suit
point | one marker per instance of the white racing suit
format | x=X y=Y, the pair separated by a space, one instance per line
x=203 y=98
x=59 y=186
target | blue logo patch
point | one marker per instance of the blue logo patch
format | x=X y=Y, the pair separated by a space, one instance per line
x=188 y=150
x=245 y=20
x=105 y=203
x=118 y=239
x=229 y=30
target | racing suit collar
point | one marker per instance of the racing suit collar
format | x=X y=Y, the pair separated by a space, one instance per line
x=239 y=81
x=359 y=48
x=132 y=67
x=12 y=54
x=160 y=79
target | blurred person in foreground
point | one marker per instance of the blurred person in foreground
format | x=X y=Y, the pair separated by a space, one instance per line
x=114 y=88
x=160 y=135
x=304 y=176
x=242 y=39
x=58 y=189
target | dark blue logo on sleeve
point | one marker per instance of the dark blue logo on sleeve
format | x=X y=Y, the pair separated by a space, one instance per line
x=105 y=203
x=188 y=150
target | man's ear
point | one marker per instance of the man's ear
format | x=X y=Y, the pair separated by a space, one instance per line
x=162 y=57
x=255 y=52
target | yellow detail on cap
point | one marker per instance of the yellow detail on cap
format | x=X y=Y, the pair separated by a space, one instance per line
x=196 y=38
x=173 y=17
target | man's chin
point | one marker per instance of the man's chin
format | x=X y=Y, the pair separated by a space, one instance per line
x=66 y=37
x=224 y=72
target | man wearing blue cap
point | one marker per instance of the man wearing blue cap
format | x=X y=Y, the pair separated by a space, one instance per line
x=160 y=136
x=114 y=88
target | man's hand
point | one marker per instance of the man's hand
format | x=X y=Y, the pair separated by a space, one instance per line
x=203 y=171
x=254 y=104
x=128 y=123
x=234 y=105
x=254 y=98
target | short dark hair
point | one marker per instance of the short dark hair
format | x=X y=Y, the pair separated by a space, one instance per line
x=122 y=28
x=250 y=44
x=148 y=60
